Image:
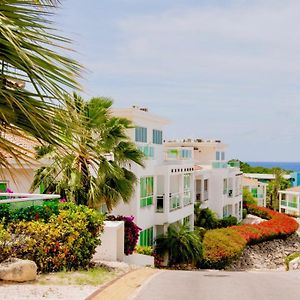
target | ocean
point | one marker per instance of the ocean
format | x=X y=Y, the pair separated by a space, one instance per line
x=293 y=166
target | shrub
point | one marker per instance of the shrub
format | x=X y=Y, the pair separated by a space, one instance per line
x=145 y=250
x=68 y=241
x=248 y=199
x=244 y=213
x=206 y=218
x=131 y=233
x=221 y=246
x=227 y=221
x=30 y=213
x=181 y=245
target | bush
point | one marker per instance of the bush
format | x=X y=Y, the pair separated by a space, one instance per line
x=30 y=213
x=221 y=246
x=68 y=241
x=248 y=199
x=244 y=213
x=181 y=245
x=227 y=221
x=145 y=250
x=206 y=218
x=131 y=233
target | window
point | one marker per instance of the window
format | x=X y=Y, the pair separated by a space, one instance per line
x=186 y=221
x=157 y=137
x=187 y=197
x=217 y=155
x=146 y=191
x=146 y=237
x=148 y=151
x=222 y=155
x=205 y=185
x=224 y=186
x=185 y=153
x=141 y=134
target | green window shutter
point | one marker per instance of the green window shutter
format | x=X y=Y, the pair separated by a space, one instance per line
x=3 y=187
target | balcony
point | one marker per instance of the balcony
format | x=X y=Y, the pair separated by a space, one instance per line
x=289 y=204
x=219 y=164
x=178 y=153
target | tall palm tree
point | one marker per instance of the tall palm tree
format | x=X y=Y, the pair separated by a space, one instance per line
x=92 y=171
x=33 y=76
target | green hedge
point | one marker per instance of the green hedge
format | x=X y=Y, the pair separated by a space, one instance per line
x=65 y=241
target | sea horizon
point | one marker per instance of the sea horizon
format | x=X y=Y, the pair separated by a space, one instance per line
x=293 y=166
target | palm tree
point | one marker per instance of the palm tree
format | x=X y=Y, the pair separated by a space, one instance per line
x=92 y=170
x=181 y=245
x=278 y=183
x=33 y=76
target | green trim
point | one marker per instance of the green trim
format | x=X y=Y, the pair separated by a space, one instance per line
x=146 y=237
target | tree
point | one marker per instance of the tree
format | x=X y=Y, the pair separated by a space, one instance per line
x=33 y=76
x=181 y=245
x=278 y=183
x=92 y=170
x=248 y=198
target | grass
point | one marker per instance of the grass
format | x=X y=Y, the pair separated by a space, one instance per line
x=93 y=276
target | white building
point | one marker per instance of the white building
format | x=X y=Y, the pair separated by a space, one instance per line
x=218 y=185
x=257 y=189
x=165 y=192
x=289 y=201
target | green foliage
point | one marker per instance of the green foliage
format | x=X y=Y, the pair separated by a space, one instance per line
x=289 y=258
x=246 y=168
x=206 y=218
x=67 y=241
x=30 y=213
x=244 y=213
x=248 y=198
x=33 y=75
x=91 y=171
x=181 y=245
x=145 y=250
x=220 y=247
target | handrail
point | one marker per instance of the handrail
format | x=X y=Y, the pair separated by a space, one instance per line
x=27 y=197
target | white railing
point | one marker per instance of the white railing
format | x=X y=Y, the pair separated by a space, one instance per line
x=175 y=201
x=23 y=197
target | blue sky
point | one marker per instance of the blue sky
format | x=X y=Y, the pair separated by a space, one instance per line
x=217 y=69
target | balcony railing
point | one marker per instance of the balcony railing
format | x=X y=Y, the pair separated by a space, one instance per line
x=187 y=198
x=175 y=200
x=205 y=195
x=219 y=164
x=289 y=204
x=19 y=200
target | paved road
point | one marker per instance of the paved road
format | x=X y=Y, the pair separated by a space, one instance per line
x=215 y=285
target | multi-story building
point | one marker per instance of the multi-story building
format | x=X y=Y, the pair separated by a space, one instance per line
x=218 y=185
x=165 y=191
x=289 y=201
x=257 y=189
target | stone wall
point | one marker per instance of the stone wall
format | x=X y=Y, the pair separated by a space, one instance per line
x=267 y=255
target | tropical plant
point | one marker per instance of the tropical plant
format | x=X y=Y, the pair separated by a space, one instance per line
x=180 y=244
x=29 y=58
x=278 y=183
x=93 y=170
x=131 y=232
x=248 y=197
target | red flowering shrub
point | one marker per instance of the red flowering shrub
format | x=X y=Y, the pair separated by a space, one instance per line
x=221 y=246
x=131 y=234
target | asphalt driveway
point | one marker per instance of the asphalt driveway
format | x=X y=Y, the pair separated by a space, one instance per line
x=218 y=285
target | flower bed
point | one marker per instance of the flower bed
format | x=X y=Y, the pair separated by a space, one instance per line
x=221 y=246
